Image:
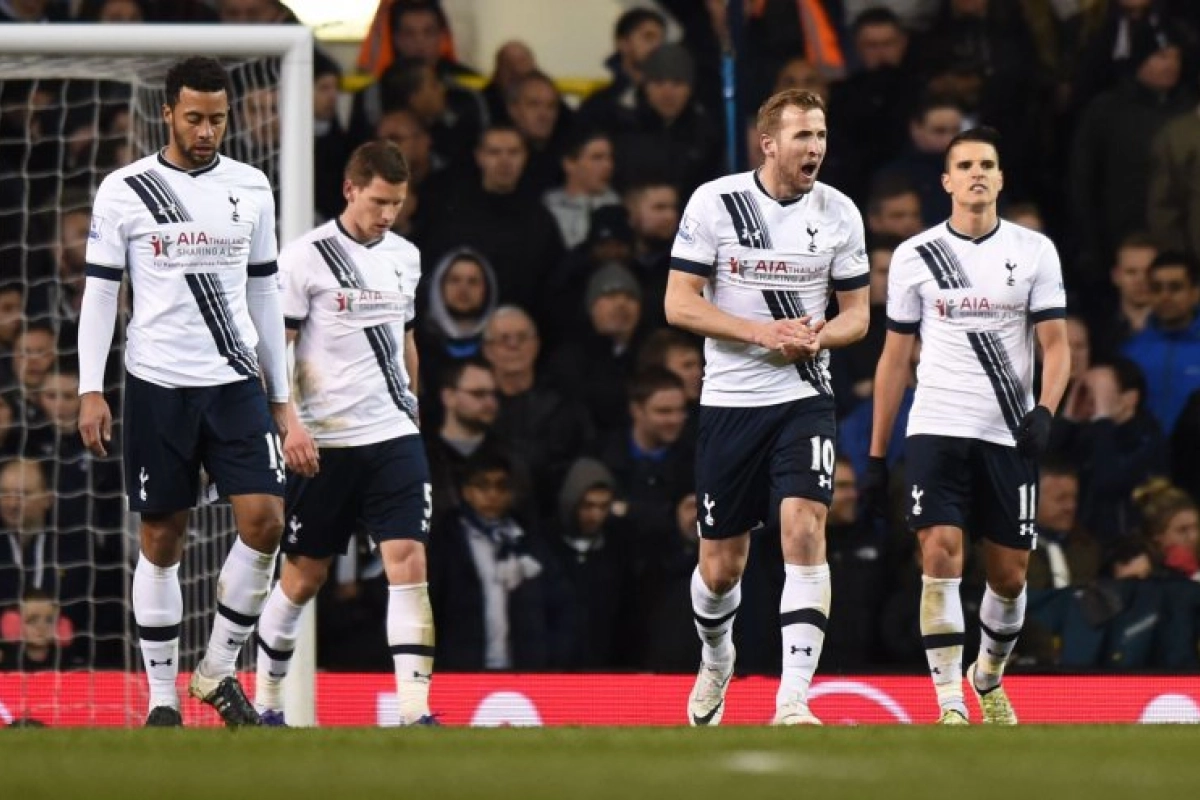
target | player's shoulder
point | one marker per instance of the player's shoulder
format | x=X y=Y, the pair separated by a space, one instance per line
x=833 y=201
x=239 y=173
x=396 y=243
x=303 y=242
x=909 y=246
x=734 y=182
x=116 y=179
x=1026 y=238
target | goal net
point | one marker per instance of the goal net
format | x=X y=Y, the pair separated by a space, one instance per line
x=77 y=102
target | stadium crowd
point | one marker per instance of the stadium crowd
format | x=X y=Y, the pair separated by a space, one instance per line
x=558 y=408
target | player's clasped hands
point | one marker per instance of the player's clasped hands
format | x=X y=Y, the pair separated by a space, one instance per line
x=795 y=339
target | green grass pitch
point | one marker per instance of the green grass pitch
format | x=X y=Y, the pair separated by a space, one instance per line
x=576 y=763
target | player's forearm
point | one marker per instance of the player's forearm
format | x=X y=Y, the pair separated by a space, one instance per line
x=846 y=328
x=891 y=377
x=262 y=298
x=97 y=319
x=412 y=363
x=1056 y=373
x=688 y=310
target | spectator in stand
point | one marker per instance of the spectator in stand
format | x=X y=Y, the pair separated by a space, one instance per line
x=37 y=556
x=639 y=32
x=418 y=29
x=44 y=637
x=653 y=206
x=468 y=395
x=872 y=105
x=610 y=238
x=1171 y=524
x=589 y=547
x=668 y=132
x=331 y=145
x=535 y=108
x=1118 y=322
x=32 y=11
x=893 y=208
x=1066 y=554
x=1168 y=349
x=512 y=229
x=1110 y=156
x=12 y=319
x=261 y=12
x=1027 y=215
x=858 y=569
x=587 y=163
x=462 y=297
x=546 y=428
x=853 y=367
x=934 y=122
x=665 y=644
x=650 y=460
x=404 y=129
x=514 y=60
x=1173 y=211
x=678 y=352
x=34 y=354
x=594 y=367
x=494 y=605
x=1108 y=431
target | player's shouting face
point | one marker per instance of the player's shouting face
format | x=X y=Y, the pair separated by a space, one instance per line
x=796 y=149
x=197 y=123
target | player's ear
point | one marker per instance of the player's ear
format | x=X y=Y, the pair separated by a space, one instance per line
x=348 y=190
x=767 y=143
x=166 y=112
x=946 y=183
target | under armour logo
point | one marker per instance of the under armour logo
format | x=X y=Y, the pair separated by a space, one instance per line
x=276 y=675
x=994 y=654
x=812 y=236
x=294 y=525
x=1028 y=529
x=166 y=663
x=234 y=642
x=709 y=505
x=917 y=494
x=806 y=650
x=935 y=671
x=143 y=476
x=824 y=482
x=422 y=676
x=234 y=202
x=166 y=209
x=1010 y=266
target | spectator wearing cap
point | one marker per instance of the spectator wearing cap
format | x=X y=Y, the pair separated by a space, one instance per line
x=564 y=314
x=594 y=366
x=668 y=132
x=1110 y=159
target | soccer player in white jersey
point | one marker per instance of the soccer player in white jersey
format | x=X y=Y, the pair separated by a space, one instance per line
x=195 y=232
x=355 y=450
x=977 y=290
x=751 y=271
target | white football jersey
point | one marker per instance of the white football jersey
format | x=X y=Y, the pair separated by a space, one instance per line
x=768 y=259
x=351 y=304
x=188 y=240
x=974 y=303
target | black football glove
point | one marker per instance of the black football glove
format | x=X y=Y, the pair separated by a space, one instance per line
x=1033 y=434
x=874 y=488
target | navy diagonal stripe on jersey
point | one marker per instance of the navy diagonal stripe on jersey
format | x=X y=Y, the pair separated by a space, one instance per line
x=380 y=337
x=945 y=267
x=164 y=190
x=759 y=228
x=1008 y=378
x=220 y=324
x=787 y=305
x=161 y=208
x=988 y=352
x=746 y=221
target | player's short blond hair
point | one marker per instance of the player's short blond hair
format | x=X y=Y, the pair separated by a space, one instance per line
x=771 y=111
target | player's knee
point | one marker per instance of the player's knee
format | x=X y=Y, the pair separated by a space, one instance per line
x=1009 y=584
x=301 y=580
x=403 y=561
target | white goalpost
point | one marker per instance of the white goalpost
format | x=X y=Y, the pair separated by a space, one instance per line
x=76 y=66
